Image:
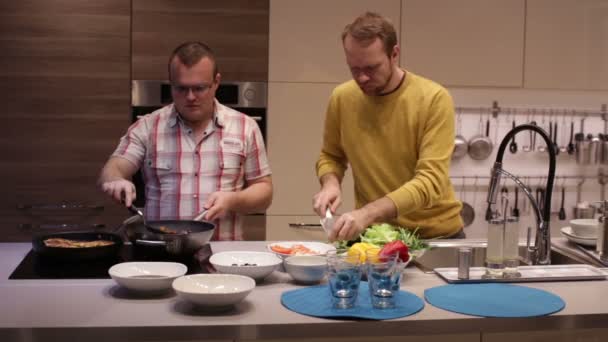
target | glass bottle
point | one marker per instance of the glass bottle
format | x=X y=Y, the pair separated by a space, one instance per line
x=511 y=247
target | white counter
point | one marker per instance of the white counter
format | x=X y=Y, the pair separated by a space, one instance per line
x=100 y=310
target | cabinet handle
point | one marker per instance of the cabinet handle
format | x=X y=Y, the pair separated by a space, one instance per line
x=256 y=118
x=60 y=206
x=314 y=226
x=51 y=226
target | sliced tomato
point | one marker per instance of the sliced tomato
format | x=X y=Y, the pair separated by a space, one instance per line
x=281 y=249
x=301 y=250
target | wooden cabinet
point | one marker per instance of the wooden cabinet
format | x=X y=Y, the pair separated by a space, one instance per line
x=567 y=44
x=296 y=114
x=305 y=37
x=464 y=43
x=237 y=30
x=578 y=335
x=64 y=86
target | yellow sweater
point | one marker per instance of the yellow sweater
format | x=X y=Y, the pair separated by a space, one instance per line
x=398 y=145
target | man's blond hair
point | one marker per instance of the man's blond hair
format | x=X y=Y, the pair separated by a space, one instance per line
x=369 y=26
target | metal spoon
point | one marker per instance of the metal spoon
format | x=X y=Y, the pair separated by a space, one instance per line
x=571 y=144
x=562 y=211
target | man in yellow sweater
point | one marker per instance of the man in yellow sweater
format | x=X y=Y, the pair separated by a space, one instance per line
x=396 y=130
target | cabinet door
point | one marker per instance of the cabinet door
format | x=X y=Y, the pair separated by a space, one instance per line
x=567 y=44
x=294 y=227
x=465 y=42
x=296 y=115
x=578 y=335
x=305 y=37
x=64 y=87
x=237 y=31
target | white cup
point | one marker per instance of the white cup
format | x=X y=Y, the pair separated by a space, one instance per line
x=585 y=228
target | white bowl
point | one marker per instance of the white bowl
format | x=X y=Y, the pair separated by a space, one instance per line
x=316 y=248
x=306 y=268
x=585 y=228
x=147 y=276
x=257 y=265
x=213 y=289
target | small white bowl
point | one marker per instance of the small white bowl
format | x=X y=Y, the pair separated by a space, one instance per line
x=257 y=265
x=215 y=290
x=306 y=269
x=147 y=276
x=585 y=228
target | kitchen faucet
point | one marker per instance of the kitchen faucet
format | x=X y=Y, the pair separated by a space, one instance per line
x=540 y=253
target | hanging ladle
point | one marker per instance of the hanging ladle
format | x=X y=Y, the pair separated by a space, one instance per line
x=513 y=145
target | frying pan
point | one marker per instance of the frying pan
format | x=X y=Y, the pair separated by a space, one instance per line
x=177 y=236
x=86 y=253
x=480 y=146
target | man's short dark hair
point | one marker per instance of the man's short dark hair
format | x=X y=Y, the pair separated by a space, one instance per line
x=190 y=53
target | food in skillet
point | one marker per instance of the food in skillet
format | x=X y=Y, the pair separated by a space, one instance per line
x=167 y=230
x=67 y=243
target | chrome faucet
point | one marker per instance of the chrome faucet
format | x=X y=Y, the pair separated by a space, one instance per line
x=540 y=253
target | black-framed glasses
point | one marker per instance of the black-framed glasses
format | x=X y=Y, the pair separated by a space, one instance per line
x=196 y=89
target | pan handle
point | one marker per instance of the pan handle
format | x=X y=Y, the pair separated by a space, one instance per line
x=150 y=242
x=200 y=216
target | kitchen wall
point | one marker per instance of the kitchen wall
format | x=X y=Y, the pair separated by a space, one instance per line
x=520 y=53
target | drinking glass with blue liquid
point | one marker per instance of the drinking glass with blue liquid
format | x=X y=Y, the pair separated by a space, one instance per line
x=344 y=275
x=384 y=277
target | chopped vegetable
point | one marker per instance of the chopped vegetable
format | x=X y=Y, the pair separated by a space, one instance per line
x=381 y=234
x=362 y=248
x=396 y=247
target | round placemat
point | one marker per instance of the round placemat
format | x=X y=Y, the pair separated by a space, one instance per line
x=316 y=301
x=494 y=300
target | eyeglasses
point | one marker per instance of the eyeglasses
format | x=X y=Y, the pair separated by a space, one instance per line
x=196 y=89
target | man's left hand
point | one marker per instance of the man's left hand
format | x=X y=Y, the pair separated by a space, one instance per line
x=349 y=225
x=219 y=204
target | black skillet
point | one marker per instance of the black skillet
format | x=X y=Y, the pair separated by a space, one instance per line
x=77 y=254
x=178 y=236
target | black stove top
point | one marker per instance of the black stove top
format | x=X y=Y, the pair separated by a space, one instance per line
x=34 y=266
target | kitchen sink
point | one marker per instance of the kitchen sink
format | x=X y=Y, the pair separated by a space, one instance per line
x=445 y=254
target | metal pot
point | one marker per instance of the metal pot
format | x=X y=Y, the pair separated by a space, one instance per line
x=480 y=146
x=461 y=145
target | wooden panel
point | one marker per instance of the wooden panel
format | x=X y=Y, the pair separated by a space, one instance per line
x=464 y=43
x=296 y=114
x=305 y=37
x=64 y=85
x=237 y=30
x=567 y=44
x=578 y=335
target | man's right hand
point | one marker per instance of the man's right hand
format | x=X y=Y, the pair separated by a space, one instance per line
x=121 y=190
x=329 y=196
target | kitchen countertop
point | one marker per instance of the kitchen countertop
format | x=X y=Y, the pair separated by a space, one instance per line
x=97 y=309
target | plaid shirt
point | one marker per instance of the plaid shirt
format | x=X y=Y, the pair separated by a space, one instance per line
x=180 y=174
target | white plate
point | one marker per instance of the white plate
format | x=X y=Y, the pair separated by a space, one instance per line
x=317 y=248
x=567 y=232
x=147 y=276
x=256 y=265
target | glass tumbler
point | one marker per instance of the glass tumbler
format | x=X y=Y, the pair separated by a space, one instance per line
x=344 y=276
x=384 y=278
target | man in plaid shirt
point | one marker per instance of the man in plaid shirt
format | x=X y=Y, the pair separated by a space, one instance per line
x=195 y=153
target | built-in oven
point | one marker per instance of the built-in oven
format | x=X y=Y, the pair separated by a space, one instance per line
x=249 y=98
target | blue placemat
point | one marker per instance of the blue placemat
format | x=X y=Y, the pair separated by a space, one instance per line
x=494 y=300
x=316 y=301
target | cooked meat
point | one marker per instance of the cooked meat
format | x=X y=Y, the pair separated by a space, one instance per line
x=167 y=230
x=67 y=243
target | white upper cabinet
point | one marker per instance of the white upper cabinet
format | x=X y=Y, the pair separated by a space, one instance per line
x=567 y=44
x=464 y=42
x=296 y=116
x=305 y=42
